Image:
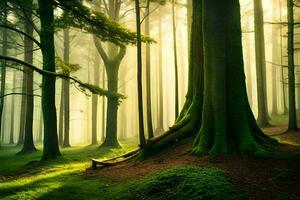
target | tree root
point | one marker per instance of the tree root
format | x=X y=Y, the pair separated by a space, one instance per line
x=115 y=160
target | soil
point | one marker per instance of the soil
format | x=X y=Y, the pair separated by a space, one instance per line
x=254 y=177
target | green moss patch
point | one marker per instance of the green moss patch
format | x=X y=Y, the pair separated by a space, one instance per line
x=184 y=183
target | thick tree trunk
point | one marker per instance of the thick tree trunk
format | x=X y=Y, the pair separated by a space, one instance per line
x=263 y=117
x=95 y=100
x=66 y=88
x=51 y=149
x=292 y=126
x=3 y=68
x=227 y=123
x=148 y=74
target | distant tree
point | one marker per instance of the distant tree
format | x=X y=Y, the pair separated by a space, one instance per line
x=3 y=6
x=263 y=116
x=28 y=144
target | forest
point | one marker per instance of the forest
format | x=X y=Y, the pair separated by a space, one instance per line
x=149 y=99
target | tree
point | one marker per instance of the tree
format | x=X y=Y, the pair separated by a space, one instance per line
x=139 y=75
x=51 y=149
x=175 y=60
x=3 y=64
x=292 y=126
x=12 y=110
x=263 y=116
x=95 y=100
x=216 y=108
x=28 y=145
x=148 y=72
x=112 y=59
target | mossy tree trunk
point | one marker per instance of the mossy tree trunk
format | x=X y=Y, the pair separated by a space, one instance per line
x=216 y=84
x=51 y=148
x=28 y=145
x=263 y=116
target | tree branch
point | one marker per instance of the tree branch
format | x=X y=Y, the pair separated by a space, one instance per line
x=93 y=89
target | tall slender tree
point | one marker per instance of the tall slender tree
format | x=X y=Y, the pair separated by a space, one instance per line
x=95 y=100
x=148 y=73
x=139 y=75
x=175 y=60
x=3 y=63
x=28 y=145
x=292 y=126
x=263 y=116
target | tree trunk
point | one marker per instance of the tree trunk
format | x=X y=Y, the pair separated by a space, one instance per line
x=61 y=115
x=40 y=136
x=160 y=118
x=23 y=106
x=28 y=145
x=139 y=76
x=274 y=60
x=292 y=126
x=12 y=110
x=51 y=149
x=175 y=60
x=95 y=100
x=227 y=123
x=263 y=117
x=3 y=67
x=148 y=74
x=285 y=109
x=66 y=88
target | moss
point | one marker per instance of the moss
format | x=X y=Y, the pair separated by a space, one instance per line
x=184 y=183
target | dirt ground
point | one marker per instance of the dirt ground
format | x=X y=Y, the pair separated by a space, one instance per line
x=255 y=177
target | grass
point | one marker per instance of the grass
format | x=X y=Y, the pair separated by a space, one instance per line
x=62 y=178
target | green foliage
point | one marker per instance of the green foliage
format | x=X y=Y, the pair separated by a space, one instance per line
x=184 y=183
x=66 y=67
x=79 y=16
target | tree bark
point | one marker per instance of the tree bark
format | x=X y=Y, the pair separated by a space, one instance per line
x=175 y=60
x=95 y=100
x=139 y=76
x=292 y=126
x=148 y=74
x=274 y=60
x=263 y=116
x=227 y=123
x=66 y=87
x=3 y=67
x=12 y=110
x=51 y=149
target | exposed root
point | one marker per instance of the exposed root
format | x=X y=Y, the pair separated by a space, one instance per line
x=115 y=160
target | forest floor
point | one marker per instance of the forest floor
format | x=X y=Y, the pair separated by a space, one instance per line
x=275 y=176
